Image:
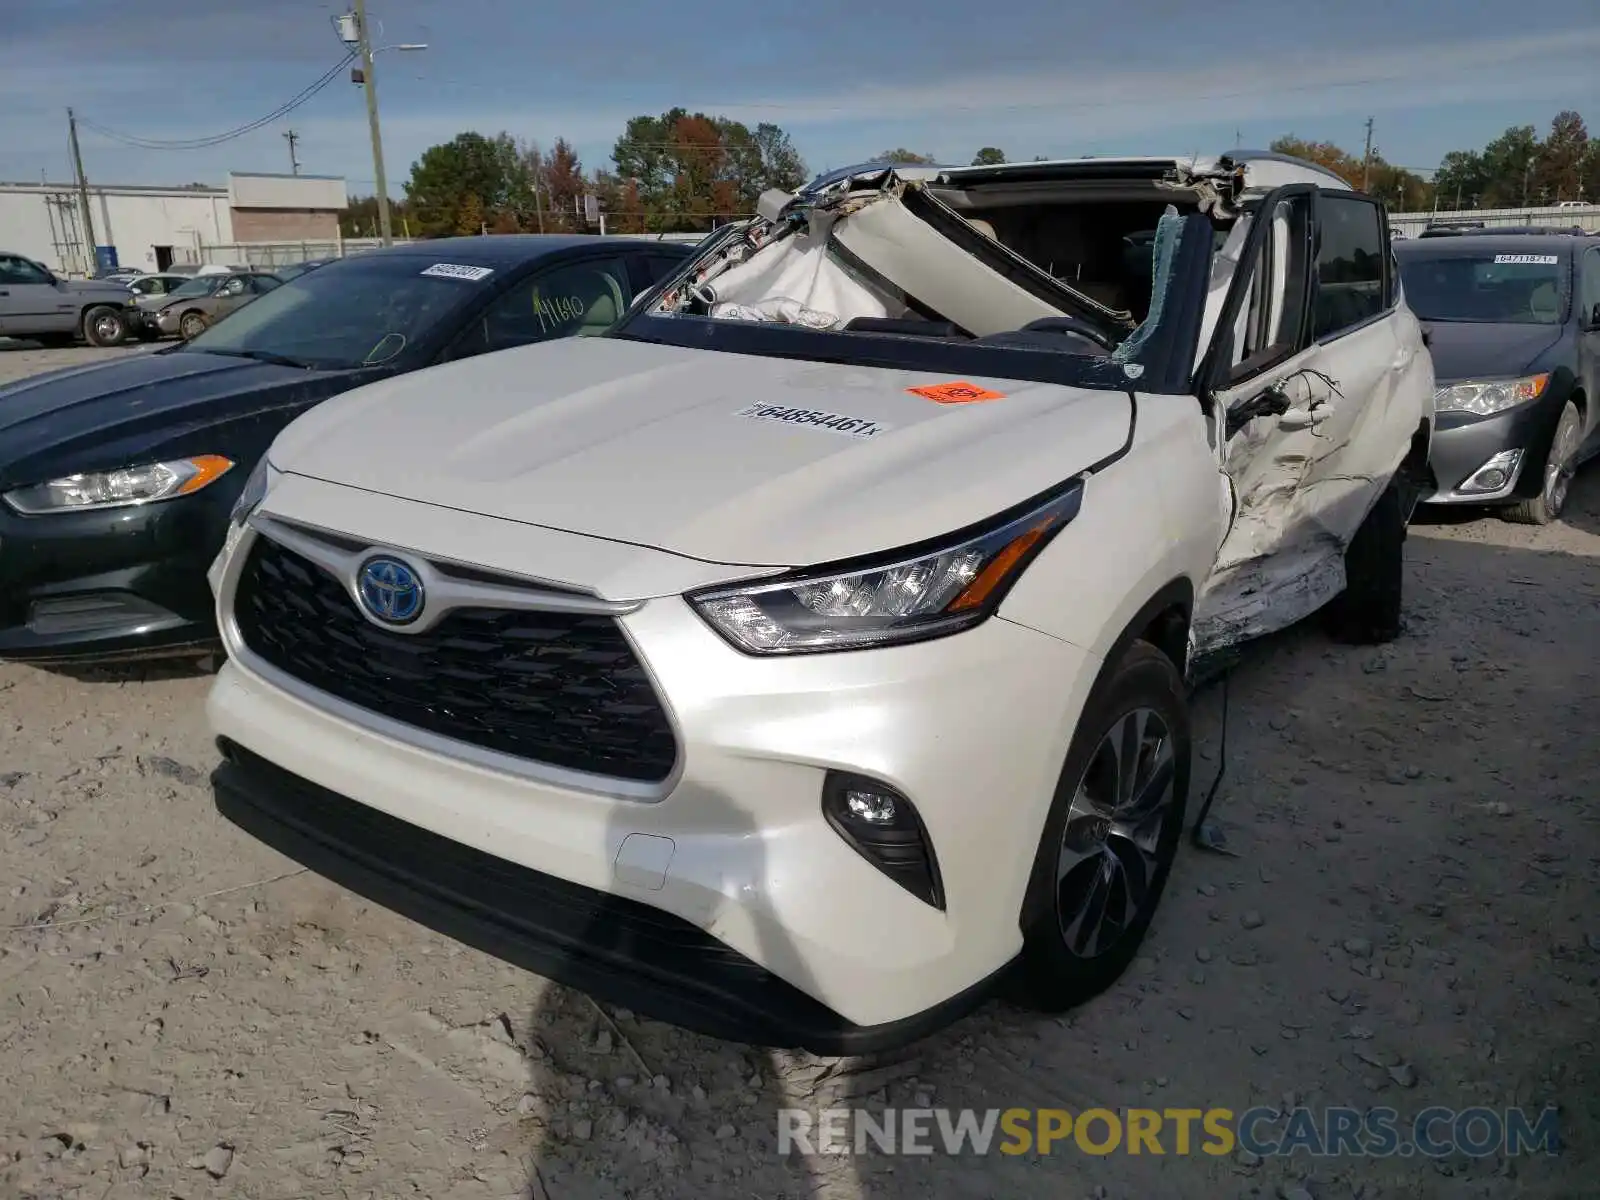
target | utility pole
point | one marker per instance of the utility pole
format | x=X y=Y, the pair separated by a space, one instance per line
x=294 y=163
x=1527 y=173
x=83 y=196
x=1366 y=158
x=385 y=225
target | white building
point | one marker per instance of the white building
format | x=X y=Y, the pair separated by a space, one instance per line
x=153 y=227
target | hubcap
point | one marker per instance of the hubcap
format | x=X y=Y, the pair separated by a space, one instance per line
x=1110 y=850
x=106 y=327
x=1558 y=472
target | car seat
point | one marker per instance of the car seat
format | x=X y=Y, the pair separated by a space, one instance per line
x=1545 y=303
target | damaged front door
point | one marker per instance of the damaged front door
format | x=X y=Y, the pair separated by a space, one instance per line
x=1302 y=367
x=1270 y=402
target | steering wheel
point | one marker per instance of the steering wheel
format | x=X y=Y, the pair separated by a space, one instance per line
x=1075 y=325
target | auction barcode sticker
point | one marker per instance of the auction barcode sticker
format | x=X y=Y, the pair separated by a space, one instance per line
x=856 y=427
x=1530 y=260
x=458 y=271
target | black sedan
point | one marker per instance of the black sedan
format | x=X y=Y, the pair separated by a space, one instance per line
x=1513 y=322
x=116 y=479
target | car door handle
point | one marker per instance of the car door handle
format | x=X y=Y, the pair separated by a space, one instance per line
x=4 y=293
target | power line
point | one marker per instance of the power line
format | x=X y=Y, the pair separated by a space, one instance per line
x=204 y=143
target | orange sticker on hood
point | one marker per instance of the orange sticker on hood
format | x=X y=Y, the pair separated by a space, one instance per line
x=959 y=392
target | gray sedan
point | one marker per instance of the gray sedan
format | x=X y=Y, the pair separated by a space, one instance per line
x=206 y=299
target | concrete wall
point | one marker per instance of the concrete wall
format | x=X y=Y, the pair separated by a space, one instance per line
x=321 y=192
x=1587 y=217
x=42 y=221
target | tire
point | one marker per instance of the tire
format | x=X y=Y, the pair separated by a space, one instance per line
x=1067 y=957
x=1557 y=482
x=192 y=325
x=1367 y=612
x=104 y=326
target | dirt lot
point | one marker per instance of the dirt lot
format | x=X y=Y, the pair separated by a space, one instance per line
x=1410 y=922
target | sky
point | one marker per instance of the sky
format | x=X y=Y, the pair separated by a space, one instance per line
x=846 y=78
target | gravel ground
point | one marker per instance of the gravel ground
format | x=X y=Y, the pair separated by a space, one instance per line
x=1410 y=921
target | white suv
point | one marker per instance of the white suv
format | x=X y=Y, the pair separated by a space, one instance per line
x=809 y=653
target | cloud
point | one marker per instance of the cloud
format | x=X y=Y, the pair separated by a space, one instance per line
x=1065 y=109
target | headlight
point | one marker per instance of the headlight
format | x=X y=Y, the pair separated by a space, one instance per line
x=122 y=487
x=255 y=491
x=918 y=593
x=1486 y=396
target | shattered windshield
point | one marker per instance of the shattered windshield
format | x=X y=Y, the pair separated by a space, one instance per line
x=914 y=275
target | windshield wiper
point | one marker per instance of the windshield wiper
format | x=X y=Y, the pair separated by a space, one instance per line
x=266 y=356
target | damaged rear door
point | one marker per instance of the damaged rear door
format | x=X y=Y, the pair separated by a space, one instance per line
x=1300 y=374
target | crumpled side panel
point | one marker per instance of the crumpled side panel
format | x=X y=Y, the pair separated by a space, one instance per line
x=1302 y=491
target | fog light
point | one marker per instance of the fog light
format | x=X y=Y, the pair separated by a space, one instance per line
x=876 y=808
x=884 y=828
x=1492 y=476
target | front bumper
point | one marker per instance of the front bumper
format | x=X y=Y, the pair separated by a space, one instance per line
x=734 y=846
x=110 y=583
x=1464 y=443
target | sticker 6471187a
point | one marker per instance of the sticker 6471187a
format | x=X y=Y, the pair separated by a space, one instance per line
x=856 y=427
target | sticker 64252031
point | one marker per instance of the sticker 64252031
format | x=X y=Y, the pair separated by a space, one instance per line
x=813 y=418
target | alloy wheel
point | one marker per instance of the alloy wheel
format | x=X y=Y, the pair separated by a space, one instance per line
x=1109 y=859
x=107 y=327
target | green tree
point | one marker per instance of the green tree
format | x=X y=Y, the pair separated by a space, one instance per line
x=360 y=219
x=686 y=171
x=1559 y=166
x=469 y=215
x=489 y=170
x=1461 y=180
x=1508 y=164
x=906 y=157
x=989 y=156
x=1591 y=173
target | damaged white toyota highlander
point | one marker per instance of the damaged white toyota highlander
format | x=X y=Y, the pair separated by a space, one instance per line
x=807 y=655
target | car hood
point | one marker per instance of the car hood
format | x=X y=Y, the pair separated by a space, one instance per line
x=1476 y=349
x=108 y=290
x=691 y=451
x=85 y=418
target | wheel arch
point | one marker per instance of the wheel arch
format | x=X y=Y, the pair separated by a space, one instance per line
x=1163 y=621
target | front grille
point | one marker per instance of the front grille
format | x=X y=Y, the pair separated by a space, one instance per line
x=559 y=688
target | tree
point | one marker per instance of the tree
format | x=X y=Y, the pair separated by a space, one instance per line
x=989 y=156
x=1461 y=180
x=686 y=171
x=469 y=215
x=906 y=157
x=560 y=174
x=489 y=170
x=1508 y=164
x=360 y=218
x=1559 y=164
x=1400 y=189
